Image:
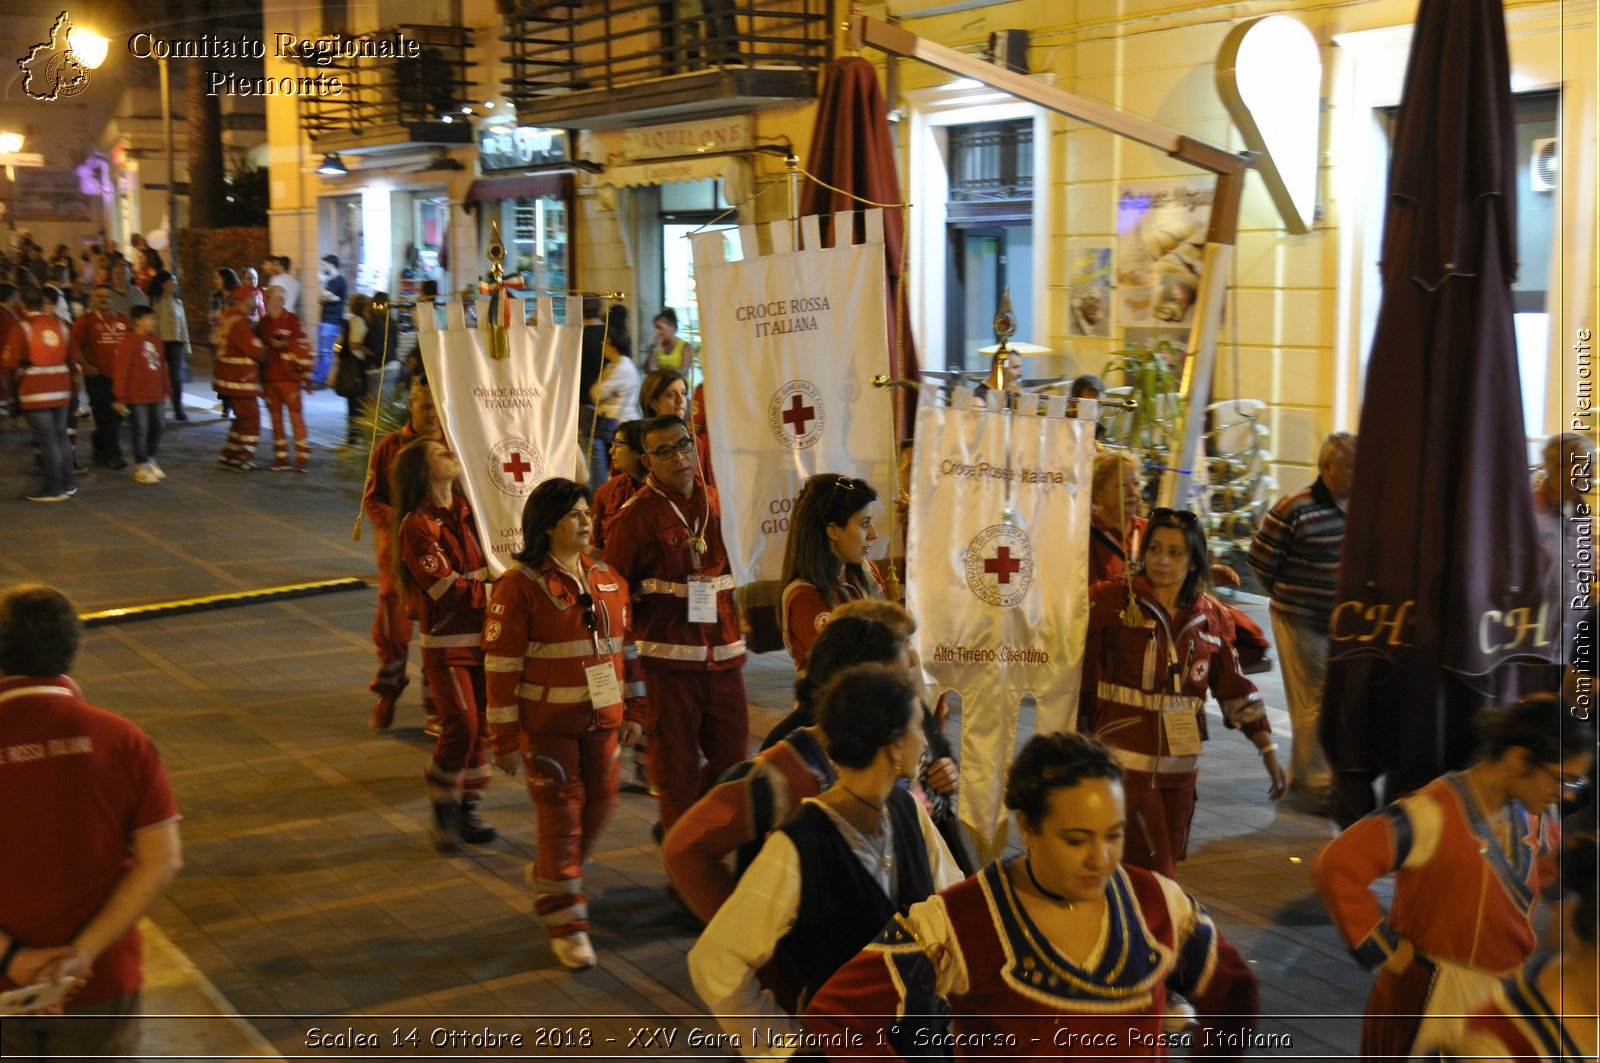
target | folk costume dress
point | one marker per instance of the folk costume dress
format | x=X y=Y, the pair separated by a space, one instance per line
x=815 y=895
x=974 y=951
x=1519 y=1023
x=1463 y=896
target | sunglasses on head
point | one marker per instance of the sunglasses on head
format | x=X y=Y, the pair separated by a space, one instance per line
x=1184 y=517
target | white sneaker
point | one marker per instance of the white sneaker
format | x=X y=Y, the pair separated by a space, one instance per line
x=143 y=475
x=156 y=470
x=574 y=951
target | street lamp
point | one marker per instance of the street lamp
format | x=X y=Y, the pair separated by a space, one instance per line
x=88 y=46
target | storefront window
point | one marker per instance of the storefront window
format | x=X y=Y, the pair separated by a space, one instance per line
x=535 y=229
x=687 y=207
x=423 y=249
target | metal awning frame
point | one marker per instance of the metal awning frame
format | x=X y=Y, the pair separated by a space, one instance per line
x=1229 y=167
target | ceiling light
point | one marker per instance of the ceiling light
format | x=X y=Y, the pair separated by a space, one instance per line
x=332 y=166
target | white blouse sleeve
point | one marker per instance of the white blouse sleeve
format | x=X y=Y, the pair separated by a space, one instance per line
x=741 y=938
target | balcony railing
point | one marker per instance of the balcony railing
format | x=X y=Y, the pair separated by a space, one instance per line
x=615 y=62
x=389 y=100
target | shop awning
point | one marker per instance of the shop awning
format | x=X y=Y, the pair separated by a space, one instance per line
x=730 y=168
x=516 y=186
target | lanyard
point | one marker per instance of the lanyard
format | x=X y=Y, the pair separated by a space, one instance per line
x=697 y=536
x=592 y=609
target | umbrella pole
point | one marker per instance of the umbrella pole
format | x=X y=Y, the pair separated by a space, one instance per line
x=793 y=164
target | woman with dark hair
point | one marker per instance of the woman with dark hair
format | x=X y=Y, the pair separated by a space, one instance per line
x=665 y=391
x=556 y=640
x=439 y=566
x=1156 y=647
x=669 y=351
x=616 y=398
x=627 y=476
x=825 y=560
x=1546 y=1011
x=172 y=325
x=837 y=869
x=1065 y=939
x=1469 y=853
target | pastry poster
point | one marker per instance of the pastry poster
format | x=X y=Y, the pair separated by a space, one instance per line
x=1088 y=288
x=1161 y=232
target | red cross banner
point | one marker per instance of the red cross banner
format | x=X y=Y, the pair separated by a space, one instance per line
x=790 y=341
x=997 y=576
x=514 y=421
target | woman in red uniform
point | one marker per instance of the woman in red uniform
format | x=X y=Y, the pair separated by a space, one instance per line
x=556 y=640
x=440 y=567
x=825 y=560
x=1469 y=853
x=1156 y=647
x=1059 y=953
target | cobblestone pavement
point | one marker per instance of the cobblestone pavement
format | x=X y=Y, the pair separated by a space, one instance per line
x=312 y=898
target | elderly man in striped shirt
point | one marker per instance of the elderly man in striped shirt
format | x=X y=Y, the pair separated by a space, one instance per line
x=1295 y=555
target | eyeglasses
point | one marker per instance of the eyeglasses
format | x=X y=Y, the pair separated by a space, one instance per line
x=1569 y=783
x=1184 y=517
x=670 y=450
x=590 y=620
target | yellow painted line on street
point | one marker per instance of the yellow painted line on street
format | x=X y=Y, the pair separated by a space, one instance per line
x=220 y=601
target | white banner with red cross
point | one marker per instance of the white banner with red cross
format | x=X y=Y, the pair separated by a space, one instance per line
x=513 y=421
x=790 y=340
x=997 y=572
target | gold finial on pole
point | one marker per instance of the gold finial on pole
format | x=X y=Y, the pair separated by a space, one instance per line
x=502 y=303
x=1005 y=326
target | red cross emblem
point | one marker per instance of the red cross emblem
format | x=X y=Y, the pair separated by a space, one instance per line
x=798 y=415
x=516 y=466
x=1002 y=565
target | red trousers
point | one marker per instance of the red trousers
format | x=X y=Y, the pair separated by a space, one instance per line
x=460 y=760
x=1158 y=824
x=696 y=713
x=284 y=395
x=572 y=780
x=1395 y=1010
x=391 y=636
x=244 y=430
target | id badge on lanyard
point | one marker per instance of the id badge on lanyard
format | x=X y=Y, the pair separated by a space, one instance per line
x=702 y=600
x=604 y=689
x=1180 y=721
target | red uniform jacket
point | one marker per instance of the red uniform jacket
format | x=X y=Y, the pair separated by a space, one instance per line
x=40 y=347
x=375 y=500
x=237 y=370
x=1168 y=662
x=537 y=644
x=96 y=337
x=804 y=611
x=141 y=370
x=440 y=548
x=649 y=547
x=288 y=357
x=608 y=501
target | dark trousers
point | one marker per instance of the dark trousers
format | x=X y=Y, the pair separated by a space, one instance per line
x=49 y=427
x=144 y=419
x=107 y=425
x=177 y=369
x=605 y=430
